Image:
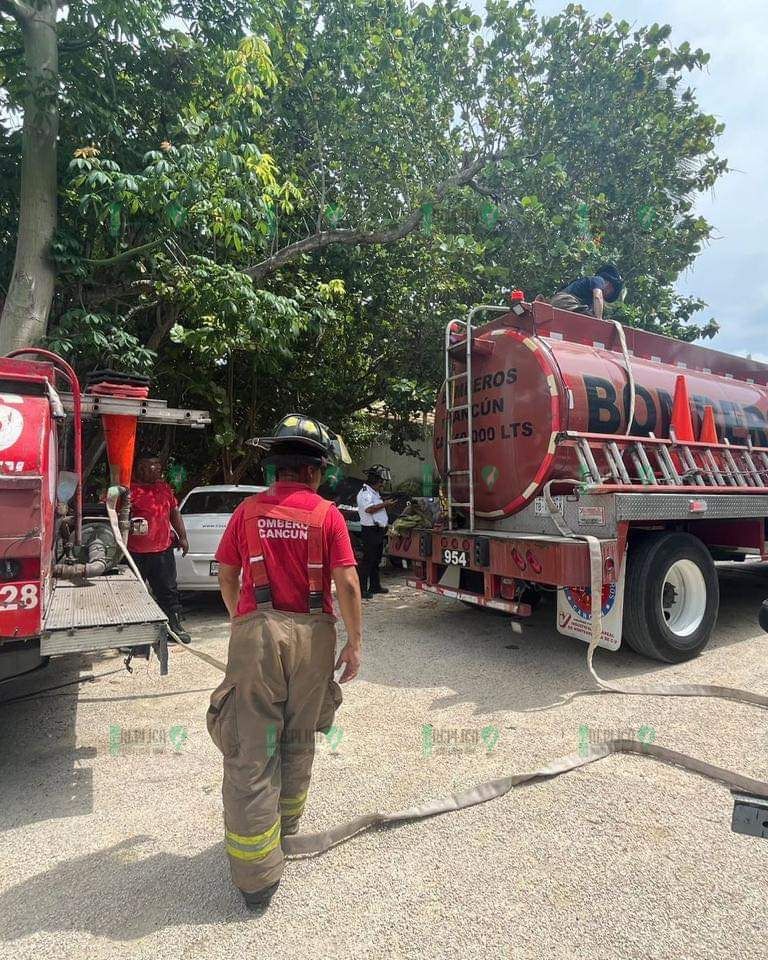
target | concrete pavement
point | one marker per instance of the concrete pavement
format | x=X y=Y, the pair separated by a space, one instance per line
x=111 y=814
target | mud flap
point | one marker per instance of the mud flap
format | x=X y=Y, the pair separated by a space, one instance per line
x=574 y=617
x=161 y=651
x=451 y=577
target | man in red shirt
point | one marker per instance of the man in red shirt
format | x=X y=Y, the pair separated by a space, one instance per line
x=277 y=559
x=154 y=500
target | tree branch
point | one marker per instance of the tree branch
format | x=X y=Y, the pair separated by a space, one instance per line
x=16 y=9
x=162 y=326
x=362 y=238
x=101 y=294
x=139 y=308
x=125 y=255
x=483 y=191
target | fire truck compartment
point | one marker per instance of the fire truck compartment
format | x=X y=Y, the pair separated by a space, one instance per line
x=103 y=613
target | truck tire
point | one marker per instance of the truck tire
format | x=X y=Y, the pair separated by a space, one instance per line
x=671 y=597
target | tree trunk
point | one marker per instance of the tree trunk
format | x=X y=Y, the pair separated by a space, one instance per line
x=25 y=314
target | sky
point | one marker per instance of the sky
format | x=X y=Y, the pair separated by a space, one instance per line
x=731 y=274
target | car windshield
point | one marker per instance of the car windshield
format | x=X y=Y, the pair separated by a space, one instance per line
x=214 y=501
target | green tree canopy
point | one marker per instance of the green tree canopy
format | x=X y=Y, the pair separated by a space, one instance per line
x=281 y=204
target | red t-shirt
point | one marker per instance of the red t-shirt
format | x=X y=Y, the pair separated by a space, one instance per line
x=154 y=502
x=285 y=553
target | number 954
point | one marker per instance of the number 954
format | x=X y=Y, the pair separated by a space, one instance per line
x=455 y=557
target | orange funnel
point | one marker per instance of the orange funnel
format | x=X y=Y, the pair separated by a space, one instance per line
x=708 y=429
x=120 y=434
x=681 y=412
x=120 y=430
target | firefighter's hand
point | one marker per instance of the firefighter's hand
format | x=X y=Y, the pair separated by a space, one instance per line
x=184 y=546
x=349 y=658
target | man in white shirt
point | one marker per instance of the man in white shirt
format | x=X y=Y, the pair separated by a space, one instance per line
x=374 y=521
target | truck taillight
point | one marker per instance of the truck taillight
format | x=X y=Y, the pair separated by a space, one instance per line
x=508 y=589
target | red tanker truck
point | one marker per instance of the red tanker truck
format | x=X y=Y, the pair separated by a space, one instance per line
x=562 y=469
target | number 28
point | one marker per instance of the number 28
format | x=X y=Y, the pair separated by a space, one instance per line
x=13 y=597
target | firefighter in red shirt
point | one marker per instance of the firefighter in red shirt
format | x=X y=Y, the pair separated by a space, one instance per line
x=277 y=558
x=154 y=500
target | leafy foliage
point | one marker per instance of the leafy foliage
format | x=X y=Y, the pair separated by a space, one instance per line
x=280 y=205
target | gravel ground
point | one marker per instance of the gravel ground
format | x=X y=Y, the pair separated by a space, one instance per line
x=117 y=849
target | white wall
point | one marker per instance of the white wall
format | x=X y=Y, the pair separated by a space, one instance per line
x=402 y=467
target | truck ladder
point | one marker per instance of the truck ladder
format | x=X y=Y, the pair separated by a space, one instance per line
x=460 y=351
x=145 y=409
x=669 y=464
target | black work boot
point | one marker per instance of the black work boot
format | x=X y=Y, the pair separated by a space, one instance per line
x=260 y=900
x=376 y=586
x=174 y=624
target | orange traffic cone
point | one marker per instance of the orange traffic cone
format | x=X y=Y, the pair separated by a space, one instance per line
x=681 y=412
x=708 y=432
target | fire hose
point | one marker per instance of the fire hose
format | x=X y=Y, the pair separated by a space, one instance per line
x=314 y=844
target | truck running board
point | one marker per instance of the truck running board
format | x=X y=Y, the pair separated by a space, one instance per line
x=100 y=614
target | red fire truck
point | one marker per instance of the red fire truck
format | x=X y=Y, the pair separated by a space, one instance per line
x=67 y=582
x=579 y=455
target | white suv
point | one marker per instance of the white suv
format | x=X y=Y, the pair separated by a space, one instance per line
x=206 y=512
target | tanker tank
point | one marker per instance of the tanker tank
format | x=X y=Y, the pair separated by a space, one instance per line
x=548 y=371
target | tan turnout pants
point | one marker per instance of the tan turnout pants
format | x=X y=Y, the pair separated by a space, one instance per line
x=277 y=693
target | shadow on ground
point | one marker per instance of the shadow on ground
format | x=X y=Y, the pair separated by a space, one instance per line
x=539 y=668
x=123 y=892
x=40 y=767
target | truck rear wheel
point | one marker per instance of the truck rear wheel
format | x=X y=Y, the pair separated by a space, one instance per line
x=672 y=596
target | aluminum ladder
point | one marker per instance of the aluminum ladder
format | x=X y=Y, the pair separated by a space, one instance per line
x=460 y=350
x=670 y=463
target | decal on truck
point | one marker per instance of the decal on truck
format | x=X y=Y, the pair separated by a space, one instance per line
x=11 y=426
x=574 y=616
x=655 y=415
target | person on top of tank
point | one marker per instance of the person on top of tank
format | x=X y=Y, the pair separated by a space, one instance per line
x=590 y=294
